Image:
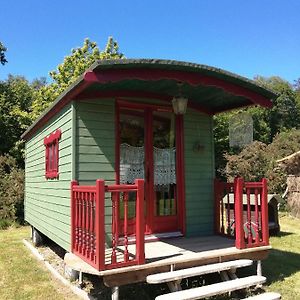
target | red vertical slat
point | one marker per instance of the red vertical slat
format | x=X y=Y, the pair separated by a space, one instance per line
x=264 y=212
x=99 y=224
x=83 y=230
x=114 y=226
x=73 y=215
x=76 y=220
x=257 y=238
x=88 y=234
x=238 y=208
x=91 y=227
x=140 y=226
x=125 y=201
x=79 y=194
x=249 y=224
x=228 y=214
x=222 y=211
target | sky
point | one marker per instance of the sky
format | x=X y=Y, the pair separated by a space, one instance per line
x=250 y=38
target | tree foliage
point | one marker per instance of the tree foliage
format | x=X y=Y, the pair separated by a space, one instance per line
x=16 y=96
x=3 y=49
x=21 y=102
x=71 y=68
x=258 y=160
x=11 y=191
x=267 y=123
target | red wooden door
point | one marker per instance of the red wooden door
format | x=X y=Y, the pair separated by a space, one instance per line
x=146 y=143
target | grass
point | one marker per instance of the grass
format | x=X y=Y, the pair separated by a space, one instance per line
x=21 y=275
x=282 y=268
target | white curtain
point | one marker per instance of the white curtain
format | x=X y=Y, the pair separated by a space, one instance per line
x=132 y=164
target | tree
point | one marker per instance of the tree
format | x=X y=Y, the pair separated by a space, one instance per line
x=71 y=68
x=258 y=160
x=3 y=49
x=285 y=105
x=16 y=96
x=267 y=123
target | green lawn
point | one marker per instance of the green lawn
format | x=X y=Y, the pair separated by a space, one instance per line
x=282 y=268
x=21 y=275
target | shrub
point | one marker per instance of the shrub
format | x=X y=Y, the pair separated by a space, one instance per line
x=258 y=160
x=4 y=224
x=11 y=191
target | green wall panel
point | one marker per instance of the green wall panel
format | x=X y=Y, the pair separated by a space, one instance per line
x=95 y=146
x=199 y=174
x=47 y=201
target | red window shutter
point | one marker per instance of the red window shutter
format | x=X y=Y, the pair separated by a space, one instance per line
x=52 y=154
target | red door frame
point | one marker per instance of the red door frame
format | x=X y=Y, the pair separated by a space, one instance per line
x=180 y=186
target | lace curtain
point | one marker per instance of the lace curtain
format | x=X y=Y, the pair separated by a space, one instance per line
x=132 y=164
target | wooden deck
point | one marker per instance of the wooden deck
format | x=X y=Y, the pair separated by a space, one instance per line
x=173 y=253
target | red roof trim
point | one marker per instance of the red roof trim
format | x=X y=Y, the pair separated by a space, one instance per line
x=192 y=78
x=114 y=75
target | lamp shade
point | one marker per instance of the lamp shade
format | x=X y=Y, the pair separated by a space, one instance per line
x=179 y=105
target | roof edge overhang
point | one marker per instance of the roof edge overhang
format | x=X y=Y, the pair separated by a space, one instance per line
x=109 y=71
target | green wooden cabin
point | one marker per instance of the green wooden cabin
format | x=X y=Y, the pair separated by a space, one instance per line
x=126 y=119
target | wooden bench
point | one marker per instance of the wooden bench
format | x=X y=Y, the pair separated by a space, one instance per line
x=214 y=289
x=174 y=278
x=265 y=296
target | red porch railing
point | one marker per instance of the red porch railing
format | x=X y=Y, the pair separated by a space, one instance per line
x=88 y=224
x=241 y=212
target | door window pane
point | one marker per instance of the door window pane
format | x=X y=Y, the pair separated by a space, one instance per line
x=164 y=157
x=132 y=153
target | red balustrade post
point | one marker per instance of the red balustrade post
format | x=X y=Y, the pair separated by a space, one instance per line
x=217 y=195
x=99 y=224
x=73 y=216
x=264 y=212
x=249 y=221
x=257 y=238
x=140 y=226
x=115 y=220
x=125 y=201
x=238 y=212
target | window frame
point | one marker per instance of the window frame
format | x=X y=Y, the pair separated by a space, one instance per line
x=51 y=143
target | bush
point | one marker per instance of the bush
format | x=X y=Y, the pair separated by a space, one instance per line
x=11 y=191
x=4 y=224
x=258 y=160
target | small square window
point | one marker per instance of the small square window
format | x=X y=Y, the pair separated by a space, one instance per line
x=52 y=154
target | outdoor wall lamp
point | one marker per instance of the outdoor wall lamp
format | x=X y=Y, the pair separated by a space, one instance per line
x=179 y=105
x=179 y=102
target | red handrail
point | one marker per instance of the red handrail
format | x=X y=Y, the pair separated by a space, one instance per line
x=241 y=211
x=88 y=224
x=119 y=192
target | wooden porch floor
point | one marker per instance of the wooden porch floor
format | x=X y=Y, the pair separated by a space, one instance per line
x=176 y=253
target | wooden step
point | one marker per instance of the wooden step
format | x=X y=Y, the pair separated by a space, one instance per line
x=197 y=271
x=265 y=296
x=213 y=289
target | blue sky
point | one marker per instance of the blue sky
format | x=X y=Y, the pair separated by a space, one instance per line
x=257 y=37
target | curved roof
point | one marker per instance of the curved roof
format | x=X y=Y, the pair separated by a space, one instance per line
x=181 y=66
x=210 y=90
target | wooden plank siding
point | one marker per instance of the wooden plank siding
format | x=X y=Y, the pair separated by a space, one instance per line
x=199 y=173
x=47 y=201
x=95 y=147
